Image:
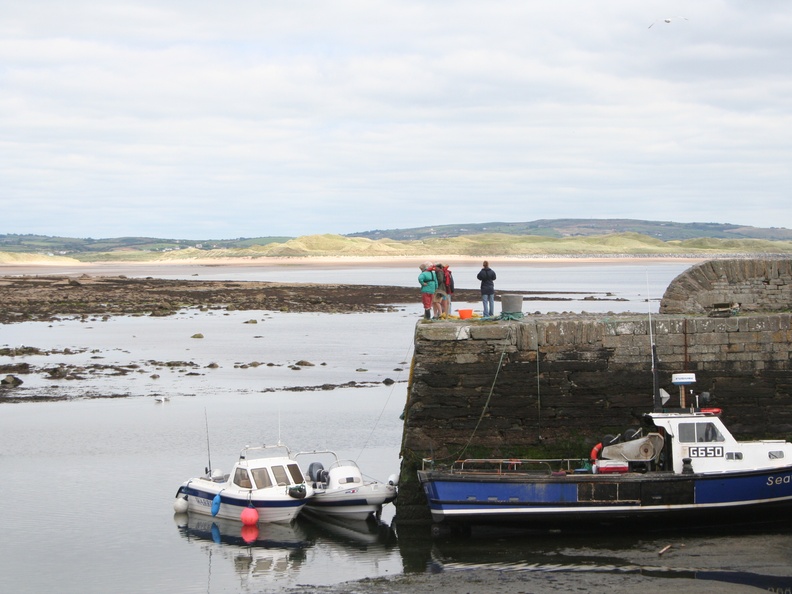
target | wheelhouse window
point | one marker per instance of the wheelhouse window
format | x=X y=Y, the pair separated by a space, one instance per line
x=281 y=478
x=262 y=478
x=241 y=478
x=296 y=474
x=699 y=433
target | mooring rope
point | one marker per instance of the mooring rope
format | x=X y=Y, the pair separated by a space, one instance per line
x=538 y=392
x=489 y=397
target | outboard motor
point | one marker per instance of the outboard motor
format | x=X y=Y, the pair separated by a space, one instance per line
x=315 y=472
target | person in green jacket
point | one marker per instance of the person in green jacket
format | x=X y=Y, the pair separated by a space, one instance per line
x=428 y=282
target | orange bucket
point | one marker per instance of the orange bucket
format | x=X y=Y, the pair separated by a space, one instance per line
x=464 y=314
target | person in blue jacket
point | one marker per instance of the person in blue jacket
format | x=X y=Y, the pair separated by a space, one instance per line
x=428 y=282
x=487 y=278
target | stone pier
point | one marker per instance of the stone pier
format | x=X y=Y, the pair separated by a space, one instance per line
x=552 y=385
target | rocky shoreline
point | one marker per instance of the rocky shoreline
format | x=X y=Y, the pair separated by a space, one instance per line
x=95 y=298
x=45 y=298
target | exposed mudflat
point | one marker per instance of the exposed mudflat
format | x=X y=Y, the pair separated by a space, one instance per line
x=480 y=581
x=28 y=298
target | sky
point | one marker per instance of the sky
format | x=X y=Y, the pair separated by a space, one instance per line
x=214 y=120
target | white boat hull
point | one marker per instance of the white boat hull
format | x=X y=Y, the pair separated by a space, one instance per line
x=357 y=504
x=271 y=507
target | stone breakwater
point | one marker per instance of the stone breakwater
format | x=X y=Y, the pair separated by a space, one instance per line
x=553 y=385
x=748 y=285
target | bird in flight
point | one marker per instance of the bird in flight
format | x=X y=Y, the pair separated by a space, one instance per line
x=667 y=20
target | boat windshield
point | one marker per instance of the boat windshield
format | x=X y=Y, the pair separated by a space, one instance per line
x=262 y=478
x=242 y=479
x=296 y=474
x=282 y=477
x=699 y=432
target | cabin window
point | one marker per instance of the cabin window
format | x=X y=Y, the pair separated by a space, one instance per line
x=296 y=474
x=699 y=432
x=280 y=475
x=241 y=478
x=776 y=454
x=261 y=478
x=734 y=456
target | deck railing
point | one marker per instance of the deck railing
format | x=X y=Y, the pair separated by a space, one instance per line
x=507 y=466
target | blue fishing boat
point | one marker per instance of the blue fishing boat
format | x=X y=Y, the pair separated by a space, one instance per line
x=682 y=464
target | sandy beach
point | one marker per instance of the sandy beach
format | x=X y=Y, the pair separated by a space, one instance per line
x=70 y=267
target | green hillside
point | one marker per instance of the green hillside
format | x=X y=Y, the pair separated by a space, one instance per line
x=559 y=237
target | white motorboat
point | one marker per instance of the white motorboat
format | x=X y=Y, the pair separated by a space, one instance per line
x=340 y=489
x=265 y=485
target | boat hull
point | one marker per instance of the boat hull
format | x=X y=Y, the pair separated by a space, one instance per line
x=356 y=504
x=579 y=499
x=271 y=507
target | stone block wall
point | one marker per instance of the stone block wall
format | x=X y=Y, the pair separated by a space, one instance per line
x=751 y=285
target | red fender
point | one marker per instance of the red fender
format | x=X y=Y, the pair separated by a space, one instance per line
x=714 y=411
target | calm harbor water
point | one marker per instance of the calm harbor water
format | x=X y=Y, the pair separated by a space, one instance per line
x=89 y=481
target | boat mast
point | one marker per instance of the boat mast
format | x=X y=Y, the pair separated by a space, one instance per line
x=658 y=401
x=208 y=450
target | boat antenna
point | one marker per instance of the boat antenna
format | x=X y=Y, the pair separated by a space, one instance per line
x=658 y=403
x=208 y=451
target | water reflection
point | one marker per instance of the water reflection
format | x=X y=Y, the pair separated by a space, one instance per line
x=363 y=535
x=222 y=531
x=282 y=554
x=257 y=555
x=755 y=556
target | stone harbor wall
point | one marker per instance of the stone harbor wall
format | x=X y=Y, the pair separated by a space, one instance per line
x=553 y=385
x=744 y=285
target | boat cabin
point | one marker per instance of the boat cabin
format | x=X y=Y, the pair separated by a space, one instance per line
x=694 y=441
x=251 y=472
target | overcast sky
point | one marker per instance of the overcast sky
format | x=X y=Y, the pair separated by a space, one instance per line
x=194 y=119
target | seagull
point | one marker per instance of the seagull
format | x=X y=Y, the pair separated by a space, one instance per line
x=667 y=20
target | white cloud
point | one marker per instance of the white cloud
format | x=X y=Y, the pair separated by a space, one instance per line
x=197 y=119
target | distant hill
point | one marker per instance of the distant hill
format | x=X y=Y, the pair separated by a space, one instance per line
x=44 y=244
x=559 y=228
x=556 y=237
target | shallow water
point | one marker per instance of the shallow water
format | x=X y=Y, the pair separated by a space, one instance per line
x=89 y=482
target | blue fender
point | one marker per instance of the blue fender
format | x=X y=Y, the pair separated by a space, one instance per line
x=216 y=504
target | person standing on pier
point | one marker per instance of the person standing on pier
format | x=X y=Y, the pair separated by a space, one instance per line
x=428 y=282
x=487 y=277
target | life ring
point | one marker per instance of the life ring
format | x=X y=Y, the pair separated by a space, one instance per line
x=712 y=411
x=595 y=451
